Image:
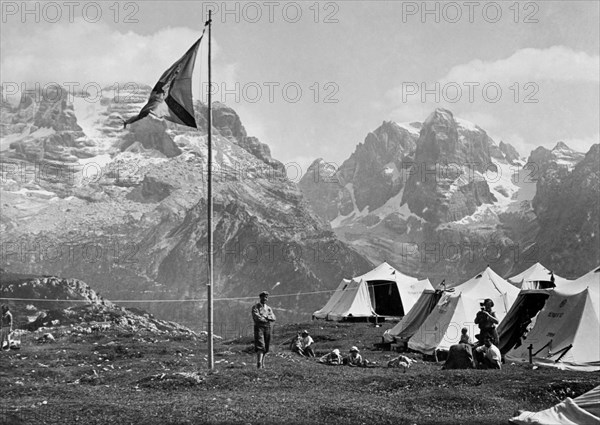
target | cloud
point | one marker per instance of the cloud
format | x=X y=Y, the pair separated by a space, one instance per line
x=582 y=144
x=56 y=54
x=413 y=110
x=557 y=63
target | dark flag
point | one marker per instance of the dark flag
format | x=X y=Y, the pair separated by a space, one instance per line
x=171 y=97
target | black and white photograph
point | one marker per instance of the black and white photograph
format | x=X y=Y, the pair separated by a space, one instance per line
x=300 y=212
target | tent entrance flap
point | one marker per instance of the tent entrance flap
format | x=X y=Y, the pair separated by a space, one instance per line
x=520 y=319
x=385 y=298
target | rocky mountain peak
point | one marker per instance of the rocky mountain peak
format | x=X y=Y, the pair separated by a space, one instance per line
x=439 y=117
x=562 y=146
x=510 y=153
x=566 y=204
x=561 y=156
x=228 y=123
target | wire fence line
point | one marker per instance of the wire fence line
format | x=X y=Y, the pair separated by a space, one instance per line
x=191 y=300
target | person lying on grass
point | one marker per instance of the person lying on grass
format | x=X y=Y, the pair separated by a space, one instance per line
x=354 y=359
x=401 y=362
x=334 y=358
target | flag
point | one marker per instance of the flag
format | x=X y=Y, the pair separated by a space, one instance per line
x=171 y=97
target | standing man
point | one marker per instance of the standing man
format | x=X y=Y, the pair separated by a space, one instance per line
x=487 y=321
x=262 y=315
x=5 y=327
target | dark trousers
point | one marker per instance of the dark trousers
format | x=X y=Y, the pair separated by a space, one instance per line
x=262 y=337
x=308 y=352
x=492 y=333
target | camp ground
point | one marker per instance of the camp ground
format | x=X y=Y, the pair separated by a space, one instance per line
x=383 y=292
x=537 y=277
x=565 y=334
x=458 y=309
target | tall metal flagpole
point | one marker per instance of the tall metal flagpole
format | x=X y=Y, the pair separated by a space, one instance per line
x=211 y=360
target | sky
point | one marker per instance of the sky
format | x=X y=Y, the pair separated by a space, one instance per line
x=312 y=79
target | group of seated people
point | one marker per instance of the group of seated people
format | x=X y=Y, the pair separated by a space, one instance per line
x=464 y=355
x=302 y=344
x=483 y=356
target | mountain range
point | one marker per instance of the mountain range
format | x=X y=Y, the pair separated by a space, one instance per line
x=441 y=199
x=124 y=209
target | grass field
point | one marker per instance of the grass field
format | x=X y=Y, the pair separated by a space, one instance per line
x=119 y=378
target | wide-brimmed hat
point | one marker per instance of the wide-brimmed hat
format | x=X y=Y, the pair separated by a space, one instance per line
x=354 y=349
x=336 y=351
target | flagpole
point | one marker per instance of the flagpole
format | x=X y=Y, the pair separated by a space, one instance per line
x=211 y=360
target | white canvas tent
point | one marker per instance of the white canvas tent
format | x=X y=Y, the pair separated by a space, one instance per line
x=521 y=318
x=566 y=334
x=584 y=409
x=383 y=291
x=409 y=324
x=458 y=309
x=536 y=277
x=351 y=299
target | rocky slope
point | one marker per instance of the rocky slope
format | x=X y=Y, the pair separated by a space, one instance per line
x=379 y=163
x=125 y=209
x=567 y=206
x=76 y=306
x=446 y=200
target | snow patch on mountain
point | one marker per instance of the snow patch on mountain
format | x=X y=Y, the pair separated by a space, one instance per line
x=394 y=205
x=410 y=127
x=512 y=189
x=341 y=220
x=466 y=125
x=6 y=140
x=90 y=116
x=390 y=170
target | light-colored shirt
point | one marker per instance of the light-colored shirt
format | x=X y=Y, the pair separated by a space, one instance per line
x=262 y=314
x=307 y=341
x=492 y=353
x=355 y=359
x=331 y=358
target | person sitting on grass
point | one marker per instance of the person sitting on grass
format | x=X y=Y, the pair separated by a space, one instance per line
x=464 y=337
x=334 y=358
x=296 y=345
x=307 y=344
x=460 y=356
x=488 y=355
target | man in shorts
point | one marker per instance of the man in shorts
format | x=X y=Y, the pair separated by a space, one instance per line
x=262 y=315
